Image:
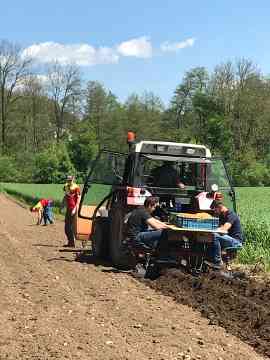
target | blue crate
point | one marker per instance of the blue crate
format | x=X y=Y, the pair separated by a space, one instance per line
x=191 y=223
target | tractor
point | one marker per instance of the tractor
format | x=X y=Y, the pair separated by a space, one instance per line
x=124 y=181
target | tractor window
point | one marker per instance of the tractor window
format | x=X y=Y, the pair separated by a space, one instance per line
x=217 y=174
x=188 y=172
x=108 y=169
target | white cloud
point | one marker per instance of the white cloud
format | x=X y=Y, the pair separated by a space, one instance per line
x=88 y=55
x=173 y=47
x=80 y=54
x=140 y=47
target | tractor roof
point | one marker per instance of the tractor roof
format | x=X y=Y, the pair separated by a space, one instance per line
x=172 y=148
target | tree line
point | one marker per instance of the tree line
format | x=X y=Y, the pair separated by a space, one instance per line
x=54 y=124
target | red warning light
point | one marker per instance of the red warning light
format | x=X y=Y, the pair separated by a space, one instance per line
x=130 y=137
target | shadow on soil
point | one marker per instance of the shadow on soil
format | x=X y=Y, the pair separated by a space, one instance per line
x=61 y=258
x=87 y=257
x=241 y=306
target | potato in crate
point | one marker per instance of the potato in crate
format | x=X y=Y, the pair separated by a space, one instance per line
x=194 y=221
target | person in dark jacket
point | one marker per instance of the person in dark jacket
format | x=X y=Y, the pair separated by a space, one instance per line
x=166 y=176
x=228 y=222
x=144 y=229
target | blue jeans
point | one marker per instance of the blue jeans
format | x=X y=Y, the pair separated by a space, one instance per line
x=222 y=242
x=153 y=239
x=47 y=215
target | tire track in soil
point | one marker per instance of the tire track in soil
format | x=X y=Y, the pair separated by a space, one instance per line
x=53 y=307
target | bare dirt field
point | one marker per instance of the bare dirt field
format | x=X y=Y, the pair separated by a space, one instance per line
x=56 y=305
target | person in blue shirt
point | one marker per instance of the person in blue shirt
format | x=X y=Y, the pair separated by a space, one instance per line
x=228 y=222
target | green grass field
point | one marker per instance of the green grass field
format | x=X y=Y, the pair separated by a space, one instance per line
x=32 y=193
x=254 y=211
x=253 y=202
x=252 y=206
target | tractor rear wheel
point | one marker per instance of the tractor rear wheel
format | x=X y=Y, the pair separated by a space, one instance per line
x=120 y=255
x=100 y=238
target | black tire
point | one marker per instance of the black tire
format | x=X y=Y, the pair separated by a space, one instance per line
x=120 y=255
x=100 y=238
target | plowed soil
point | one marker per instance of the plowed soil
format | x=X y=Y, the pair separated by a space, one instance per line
x=58 y=305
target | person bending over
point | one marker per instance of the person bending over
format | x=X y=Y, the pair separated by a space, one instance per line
x=138 y=225
x=230 y=223
x=44 y=211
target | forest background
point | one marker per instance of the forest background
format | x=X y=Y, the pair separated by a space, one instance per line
x=55 y=123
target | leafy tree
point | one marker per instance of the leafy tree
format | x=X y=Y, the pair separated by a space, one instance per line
x=257 y=174
x=96 y=108
x=64 y=90
x=31 y=120
x=83 y=147
x=144 y=115
x=24 y=163
x=105 y=117
x=52 y=165
x=14 y=69
x=36 y=110
x=8 y=171
x=193 y=82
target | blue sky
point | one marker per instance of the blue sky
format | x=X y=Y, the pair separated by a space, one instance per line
x=137 y=46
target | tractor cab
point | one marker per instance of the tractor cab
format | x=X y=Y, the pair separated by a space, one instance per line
x=192 y=164
x=117 y=183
